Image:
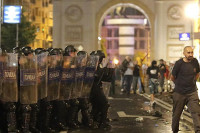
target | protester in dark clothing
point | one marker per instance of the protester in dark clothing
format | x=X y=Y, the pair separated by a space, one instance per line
x=98 y=99
x=153 y=74
x=184 y=75
x=136 y=77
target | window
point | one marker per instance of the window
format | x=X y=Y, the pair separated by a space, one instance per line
x=109 y=44
x=43 y=20
x=36 y=11
x=116 y=32
x=38 y=29
x=135 y=44
x=32 y=1
x=109 y=34
x=43 y=3
x=50 y=1
x=50 y=31
x=136 y=31
x=116 y=44
x=142 y=33
x=47 y=4
x=142 y=44
x=33 y=18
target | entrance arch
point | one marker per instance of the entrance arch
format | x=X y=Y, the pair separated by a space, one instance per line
x=109 y=6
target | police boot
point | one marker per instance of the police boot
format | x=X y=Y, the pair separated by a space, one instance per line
x=86 y=118
x=26 y=109
x=95 y=117
x=73 y=114
x=61 y=115
x=11 y=117
x=33 y=120
x=47 y=125
x=103 y=121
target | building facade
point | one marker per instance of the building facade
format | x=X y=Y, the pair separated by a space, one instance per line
x=79 y=22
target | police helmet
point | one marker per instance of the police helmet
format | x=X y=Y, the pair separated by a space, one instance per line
x=49 y=49
x=39 y=50
x=69 y=48
x=26 y=50
x=101 y=55
x=17 y=50
x=93 y=53
x=82 y=53
x=55 y=51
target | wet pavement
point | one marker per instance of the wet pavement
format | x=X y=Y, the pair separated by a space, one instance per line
x=133 y=114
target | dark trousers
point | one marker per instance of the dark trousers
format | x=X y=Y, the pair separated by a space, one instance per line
x=192 y=102
x=128 y=81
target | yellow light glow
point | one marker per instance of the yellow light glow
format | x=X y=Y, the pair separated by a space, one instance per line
x=116 y=61
x=192 y=10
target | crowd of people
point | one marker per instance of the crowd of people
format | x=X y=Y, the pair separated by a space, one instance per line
x=178 y=77
x=43 y=90
x=136 y=76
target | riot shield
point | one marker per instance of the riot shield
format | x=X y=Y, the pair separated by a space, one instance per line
x=42 y=70
x=54 y=72
x=9 y=82
x=79 y=76
x=90 y=69
x=28 y=79
x=67 y=77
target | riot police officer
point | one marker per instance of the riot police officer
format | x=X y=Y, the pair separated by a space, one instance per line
x=72 y=102
x=83 y=105
x=28 y=90
x=42 y=69
x=54 y=64
x=98 y=99
x=8 y=90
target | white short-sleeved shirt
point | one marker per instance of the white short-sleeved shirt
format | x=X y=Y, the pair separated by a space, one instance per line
x=129 y=71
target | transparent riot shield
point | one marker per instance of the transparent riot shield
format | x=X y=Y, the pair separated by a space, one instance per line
x=67 y=77
x=79 y=75
x=42 y=70
x=28 y=79
x=9 y=82
x=90 y=69
x=54 y=72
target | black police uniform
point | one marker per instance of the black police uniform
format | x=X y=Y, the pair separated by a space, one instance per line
x=98 y=99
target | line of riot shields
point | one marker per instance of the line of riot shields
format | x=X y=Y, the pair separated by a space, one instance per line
x=27 y=79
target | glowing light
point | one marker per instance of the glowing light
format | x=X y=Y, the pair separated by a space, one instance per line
x=192 y=10
x=80 y=48
x=116 y=61
x=99 y=38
